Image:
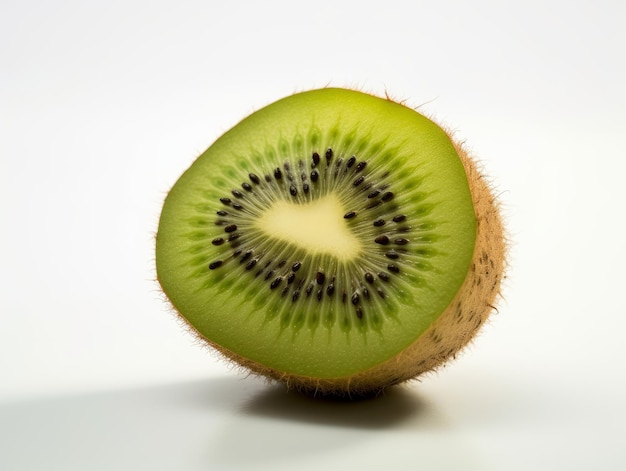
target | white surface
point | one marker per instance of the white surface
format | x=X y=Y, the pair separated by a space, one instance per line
x=102 y=107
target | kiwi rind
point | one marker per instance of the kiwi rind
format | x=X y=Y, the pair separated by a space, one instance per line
x=447 y=333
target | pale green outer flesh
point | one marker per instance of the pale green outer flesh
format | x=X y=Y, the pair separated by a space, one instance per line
x=301 y=124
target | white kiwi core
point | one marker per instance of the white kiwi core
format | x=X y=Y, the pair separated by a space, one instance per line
x=318 y=226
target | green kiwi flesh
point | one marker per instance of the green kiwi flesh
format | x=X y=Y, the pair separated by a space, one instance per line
x=328 y=240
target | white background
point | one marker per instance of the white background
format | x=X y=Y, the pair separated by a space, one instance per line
x=104 y=104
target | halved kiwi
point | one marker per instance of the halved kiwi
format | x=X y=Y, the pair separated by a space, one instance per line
x=334 y=240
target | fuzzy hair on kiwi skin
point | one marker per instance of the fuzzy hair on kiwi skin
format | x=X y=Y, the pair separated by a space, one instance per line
x=453 y=329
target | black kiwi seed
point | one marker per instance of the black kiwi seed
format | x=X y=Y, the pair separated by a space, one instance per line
x=320 y=277
x=320 y=294
x=401 y=241
x=305 y=188
x=254 y=179
x=379 y=222
x=358 y=181
x=225 y=200
x=330 y=289
x=373 y=194
x=314 y=175
x=246 y=186
x=276 y=282
x=278 y=174
x=268 y=178
x=269 y=275
x=222 y=213
x=380 y=292
x=237 y=193
x=374 y=204
x=296 y=266
x=230 y=228
x=290 y=278
x=351 y=161
x=393 y=268
x=295 y=295
x=329 y=155
x=233 y=236
x=215 y=264
x=360 y=166
x=246 y=256
x=359 y=312
x=316 y=159
x=292 y=190
x=251 y=264
x=217 y=241
x=387 y=196
x=369 y=278
x=383 y=276
x=392 y=254
x=399 y=218
x=237 y=206
x=382 y=240
x=349 y=215
x=355 y=298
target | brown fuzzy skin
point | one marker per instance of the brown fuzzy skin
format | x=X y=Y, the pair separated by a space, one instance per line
x=452 y=331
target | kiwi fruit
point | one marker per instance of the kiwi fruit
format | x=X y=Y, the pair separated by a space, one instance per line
x=335 y=241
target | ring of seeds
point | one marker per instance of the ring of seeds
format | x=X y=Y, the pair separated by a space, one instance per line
x=371 y=204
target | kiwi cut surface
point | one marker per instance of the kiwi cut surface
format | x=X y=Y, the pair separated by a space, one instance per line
x=334 y=240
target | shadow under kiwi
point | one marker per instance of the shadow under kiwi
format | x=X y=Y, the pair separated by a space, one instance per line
x=279 y=429
x=392 y=407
